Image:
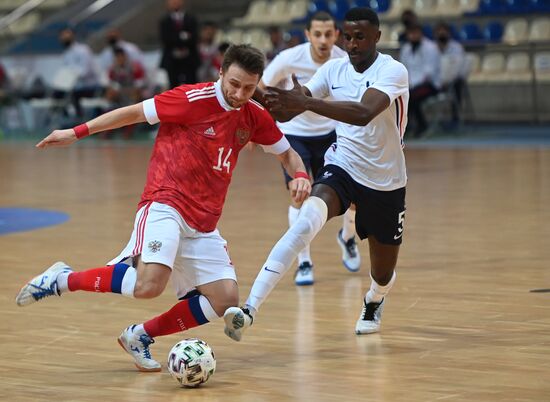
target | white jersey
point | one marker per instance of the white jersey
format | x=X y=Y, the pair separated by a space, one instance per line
x=371 y=154
x=297 y=60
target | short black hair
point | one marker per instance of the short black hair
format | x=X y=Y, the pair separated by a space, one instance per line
x=320 y=16
x=118 y=50
x=442 y=25
x=362 y=14
x=245 y=56
x=414 y=27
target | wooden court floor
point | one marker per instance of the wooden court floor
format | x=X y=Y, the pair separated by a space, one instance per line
x=460 y=324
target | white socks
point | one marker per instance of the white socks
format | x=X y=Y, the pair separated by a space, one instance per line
x=63 y=282
x=293 y=214
x=376 y=292
x=313 y=215
x=207 y=309
x=348 y=224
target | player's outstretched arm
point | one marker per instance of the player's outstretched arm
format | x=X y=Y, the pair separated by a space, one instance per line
x=300 y=187
x=356 y=113
x=279 y=115
x=117 y=118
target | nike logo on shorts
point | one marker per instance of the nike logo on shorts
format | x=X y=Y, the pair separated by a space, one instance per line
x=333 y=87
x=270 y=270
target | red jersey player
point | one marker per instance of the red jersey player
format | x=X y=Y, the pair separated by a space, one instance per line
x=203 y=127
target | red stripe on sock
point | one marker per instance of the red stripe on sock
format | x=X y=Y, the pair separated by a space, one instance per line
x=92 y=280
x=178 y=318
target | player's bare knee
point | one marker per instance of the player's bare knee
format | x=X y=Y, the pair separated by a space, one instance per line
x=222 y=302
x=147 y=290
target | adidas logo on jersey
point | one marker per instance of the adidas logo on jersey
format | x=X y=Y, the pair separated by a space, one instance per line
x=210 y=131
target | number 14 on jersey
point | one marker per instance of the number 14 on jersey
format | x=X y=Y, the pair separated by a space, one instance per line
x=223 y=162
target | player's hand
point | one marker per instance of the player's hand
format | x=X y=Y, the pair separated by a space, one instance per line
x=58 y=138
x=300 y=189
x=289 y=101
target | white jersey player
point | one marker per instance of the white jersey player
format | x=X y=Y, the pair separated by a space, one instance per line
x=311 y=134
x=365 y=167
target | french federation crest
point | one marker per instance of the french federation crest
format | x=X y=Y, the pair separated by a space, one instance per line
x=155 y=246
x=242 y=135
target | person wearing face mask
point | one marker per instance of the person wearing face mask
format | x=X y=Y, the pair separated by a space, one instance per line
x=422 y=59
x=454 y=66
x=408 y=19
x=79 y=57
x=113 y=40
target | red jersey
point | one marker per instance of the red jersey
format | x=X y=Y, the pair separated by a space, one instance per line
x=197 y=147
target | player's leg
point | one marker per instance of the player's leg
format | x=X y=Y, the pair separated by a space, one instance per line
x=201 y=306
x=304 y=271
x=329 y=198
x=205 y=283
x=381 y=218
x=155 y=240
x=346 y=240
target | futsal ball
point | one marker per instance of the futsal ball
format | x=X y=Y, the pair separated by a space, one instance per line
x=191 y=362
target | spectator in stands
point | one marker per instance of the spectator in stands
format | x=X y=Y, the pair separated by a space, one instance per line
x=454 y=66
x=408 y=19
x=422 y=59
x=179 y=34
x=127 y=85
x=222 y=48
x=113 y=41
x=79 y=56
x=208 y=48
x=277 y=42
x=127 y=81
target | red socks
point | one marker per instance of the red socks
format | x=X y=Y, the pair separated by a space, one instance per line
x=104 y=279
x=184 y=315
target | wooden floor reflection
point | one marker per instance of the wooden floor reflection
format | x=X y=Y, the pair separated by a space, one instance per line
x=460 y=324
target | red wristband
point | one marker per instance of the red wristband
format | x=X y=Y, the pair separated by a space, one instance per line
x=302 y=175
x=81 y=131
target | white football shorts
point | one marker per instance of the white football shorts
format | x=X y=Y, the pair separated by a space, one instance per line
x=162 y=236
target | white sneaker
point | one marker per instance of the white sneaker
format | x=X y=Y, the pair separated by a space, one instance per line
x=136 y=342
x=304 y=274
x=350 y=253
x=43 y=285
x=237 y=320
x=369 y=320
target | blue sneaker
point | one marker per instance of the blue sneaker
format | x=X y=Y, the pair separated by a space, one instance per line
x=304 y=274
x=135 y=341
x=43 y=285
x=350 y=253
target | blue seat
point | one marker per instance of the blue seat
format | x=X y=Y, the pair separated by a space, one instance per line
x=540 y=5
x=339 y=9
x=427 y=31
x=360 y=3
x=455 y=32
x=321 y=5
x=520 y=6
x=470 y=32
x=380 y=6
x=493 y=31
x=492 y=7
